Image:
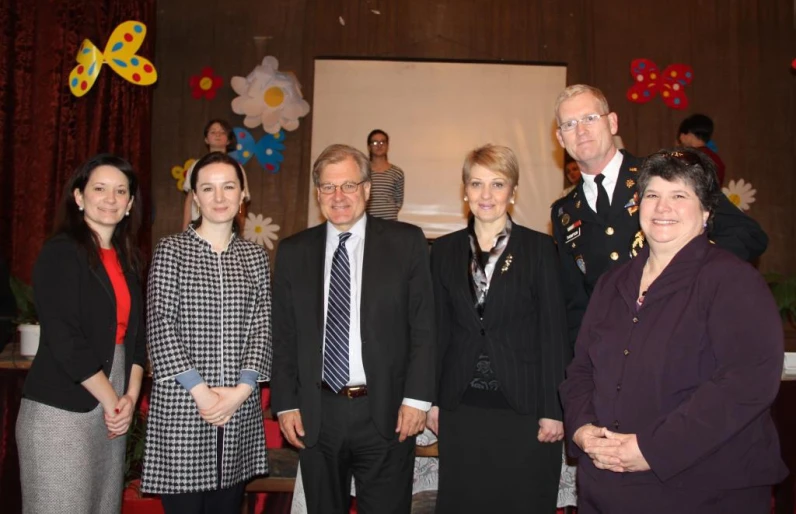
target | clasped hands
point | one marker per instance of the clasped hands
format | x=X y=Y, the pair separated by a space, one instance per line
x=119 y=416
x=610 y=450
x=217 y=404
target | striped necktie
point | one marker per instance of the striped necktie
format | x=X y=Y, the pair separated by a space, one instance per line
x=338 y=318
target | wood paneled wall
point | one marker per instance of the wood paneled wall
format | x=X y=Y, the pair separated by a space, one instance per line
x=740 y=51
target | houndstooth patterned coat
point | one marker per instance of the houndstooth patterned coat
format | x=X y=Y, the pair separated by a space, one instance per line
x=211 y=312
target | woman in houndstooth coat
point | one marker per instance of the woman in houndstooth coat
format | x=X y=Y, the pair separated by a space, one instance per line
x=209 y=336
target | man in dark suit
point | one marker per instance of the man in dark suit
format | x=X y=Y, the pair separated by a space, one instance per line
x=353 y=372
x=596 y=225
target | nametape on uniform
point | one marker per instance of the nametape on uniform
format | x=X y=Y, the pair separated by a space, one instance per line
x=573 y=235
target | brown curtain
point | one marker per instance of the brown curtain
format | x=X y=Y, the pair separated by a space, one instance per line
x=46 y=132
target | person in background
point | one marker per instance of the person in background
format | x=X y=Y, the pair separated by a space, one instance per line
x=219 y=137
x=387 y=179
x=82 y=388
x=677 y=363
x=209 y=335
x=501 y=351
x=696 y=131
x=571 y=174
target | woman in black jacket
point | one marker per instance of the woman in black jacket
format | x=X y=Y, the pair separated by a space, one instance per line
x=81 y=391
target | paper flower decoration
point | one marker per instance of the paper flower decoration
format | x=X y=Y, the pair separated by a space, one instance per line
x=649 y=82
x=269 y=98
x=178 y=172
x=268 y=149
x=120 y=55
x=740 y=193
x=205 y=84
x=260 y=230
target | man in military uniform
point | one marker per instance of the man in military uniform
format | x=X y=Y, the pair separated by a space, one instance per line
x=596 y=225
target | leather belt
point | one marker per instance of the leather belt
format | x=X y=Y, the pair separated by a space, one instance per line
x=349 y=391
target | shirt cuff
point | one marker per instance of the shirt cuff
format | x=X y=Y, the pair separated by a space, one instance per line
x=248 y=377
x=417 y=404
x=189 y=379
x=284 y=411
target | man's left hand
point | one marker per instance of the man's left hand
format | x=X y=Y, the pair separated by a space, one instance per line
x=550 y=430
x=411 y=422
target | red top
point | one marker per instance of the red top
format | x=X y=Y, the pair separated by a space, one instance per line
x=114 y=269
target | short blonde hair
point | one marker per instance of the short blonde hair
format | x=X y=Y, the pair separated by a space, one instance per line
x=497 y=159
x=335 y=154
x=579 y=89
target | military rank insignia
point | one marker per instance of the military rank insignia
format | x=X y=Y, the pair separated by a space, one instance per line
x=630 y=183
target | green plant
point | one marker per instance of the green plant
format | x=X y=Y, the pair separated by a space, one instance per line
x=26 y=308
x=784 y=290
x=134 y=455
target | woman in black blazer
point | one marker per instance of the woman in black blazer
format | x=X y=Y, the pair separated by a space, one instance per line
x=83 y=385
x=502 y=351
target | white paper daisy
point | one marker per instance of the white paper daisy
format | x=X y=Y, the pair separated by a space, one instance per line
x=260 y=230
x=740 y=193
x=269 y=97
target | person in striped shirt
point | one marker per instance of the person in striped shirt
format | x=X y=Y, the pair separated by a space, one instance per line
x=387 y=180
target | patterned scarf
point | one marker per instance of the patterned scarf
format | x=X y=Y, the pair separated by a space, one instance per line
x=481 y=276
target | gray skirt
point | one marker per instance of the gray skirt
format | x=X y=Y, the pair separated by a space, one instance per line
x=66 y=461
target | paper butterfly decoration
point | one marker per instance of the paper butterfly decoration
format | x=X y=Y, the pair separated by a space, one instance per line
x=649 y=82
x=120 y=55
x=267 y=150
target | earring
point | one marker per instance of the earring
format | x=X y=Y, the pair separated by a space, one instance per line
x=512 y=201
x=240 y=209
x=127 y=213
x=80 y=208
x=705 y=225
x=465 y=199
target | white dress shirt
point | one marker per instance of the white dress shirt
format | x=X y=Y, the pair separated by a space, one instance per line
x=355 y=246
x=611 y=172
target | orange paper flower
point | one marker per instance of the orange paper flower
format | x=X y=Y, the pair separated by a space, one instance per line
x=205 y=84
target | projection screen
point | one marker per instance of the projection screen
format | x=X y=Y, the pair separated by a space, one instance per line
x=436 y=112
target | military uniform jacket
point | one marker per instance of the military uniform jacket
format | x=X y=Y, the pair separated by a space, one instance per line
x=588 y=246
x=211 y=312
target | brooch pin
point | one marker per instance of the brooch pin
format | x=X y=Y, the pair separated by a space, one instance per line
x=506 y=264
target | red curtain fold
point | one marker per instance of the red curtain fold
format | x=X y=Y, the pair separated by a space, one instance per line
x=46 y=132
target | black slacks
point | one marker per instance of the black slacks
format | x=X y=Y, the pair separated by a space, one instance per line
x=219 y=501
x=491 y=461
x=350 y=445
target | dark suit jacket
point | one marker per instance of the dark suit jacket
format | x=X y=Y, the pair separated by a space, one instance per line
x=523 y=329
x=77 y=311
x=588 y=246
x=693 y=373
x=396 y=323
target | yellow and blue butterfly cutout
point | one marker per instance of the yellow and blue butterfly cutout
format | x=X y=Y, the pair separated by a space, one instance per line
x=120 y=55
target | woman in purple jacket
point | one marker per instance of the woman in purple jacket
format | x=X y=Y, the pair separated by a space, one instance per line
x=676 y=365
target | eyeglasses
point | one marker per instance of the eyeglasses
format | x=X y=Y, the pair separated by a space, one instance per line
x=377 y=143
x=345 y=187
x=589 y=119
